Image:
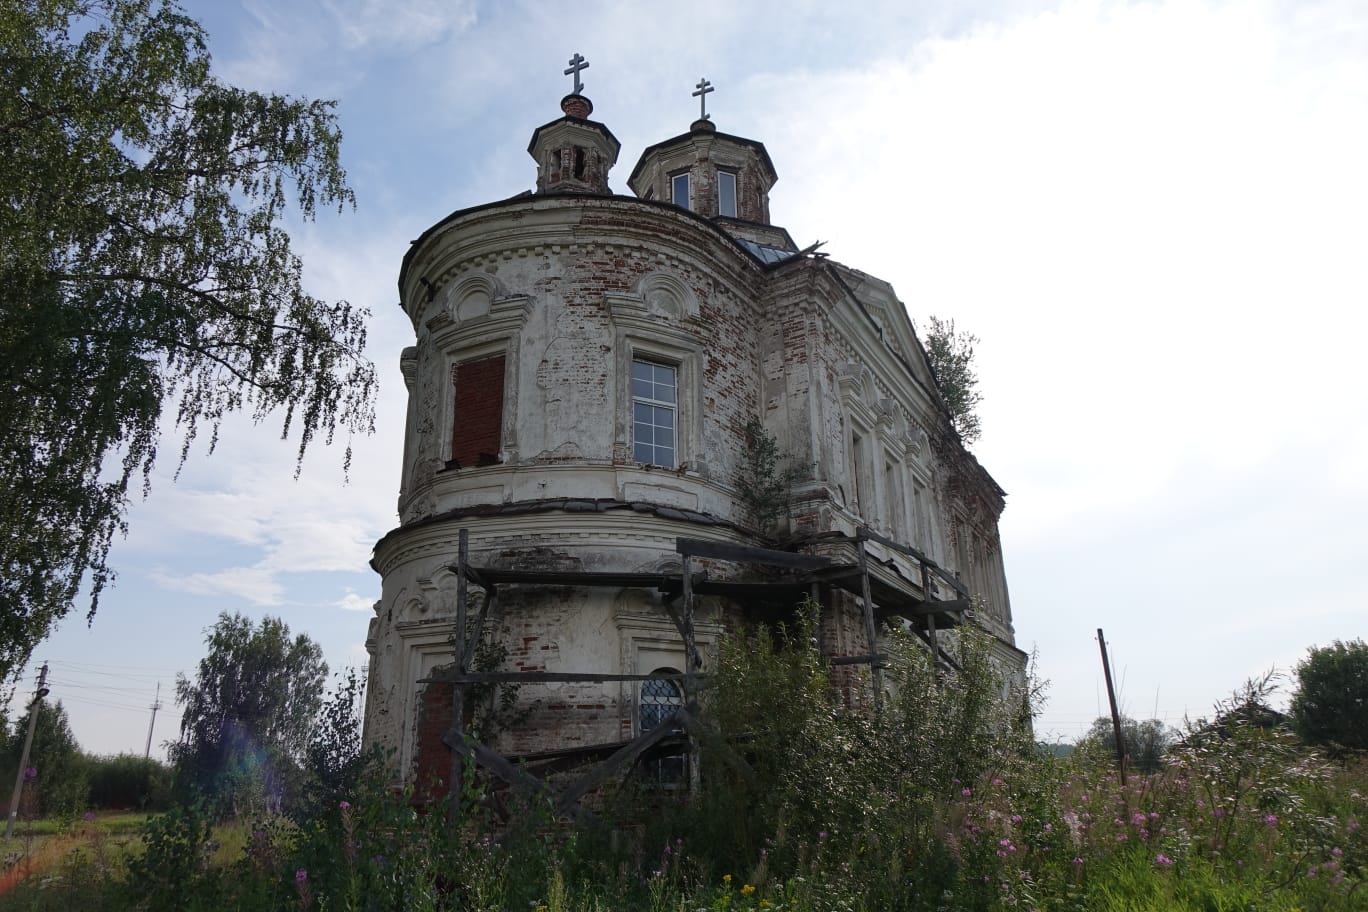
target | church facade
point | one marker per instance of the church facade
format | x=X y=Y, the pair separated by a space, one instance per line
x=590 y=376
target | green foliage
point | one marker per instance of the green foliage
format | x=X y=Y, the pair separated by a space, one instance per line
x=144 y=263
x=1330 y=705
x=1145 y=742
x=172 y=874
x=63 y=790
x=249 y=714
x=127 y=781
x=811 y=805
x=334 y=763
x=951 y=354
x=762 y=485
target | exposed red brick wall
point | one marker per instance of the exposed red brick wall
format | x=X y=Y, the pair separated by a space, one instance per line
x=433 y=760
x=476 y=432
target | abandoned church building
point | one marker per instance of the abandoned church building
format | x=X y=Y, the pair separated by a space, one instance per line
x=588 y=384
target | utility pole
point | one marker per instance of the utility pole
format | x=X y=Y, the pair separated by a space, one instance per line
x=24 y=757
x=1116 y=716
x=156 y=705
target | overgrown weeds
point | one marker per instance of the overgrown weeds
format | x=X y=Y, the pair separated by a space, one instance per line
x=943 y=802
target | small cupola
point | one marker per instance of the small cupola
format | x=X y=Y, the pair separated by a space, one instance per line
x=574 y=153
x=714 y=174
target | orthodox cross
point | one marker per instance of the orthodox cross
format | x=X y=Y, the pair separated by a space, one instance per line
x=577 y=63
x=704 y=87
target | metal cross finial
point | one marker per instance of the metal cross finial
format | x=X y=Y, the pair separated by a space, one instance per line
x=577 y=63
x=704 y=87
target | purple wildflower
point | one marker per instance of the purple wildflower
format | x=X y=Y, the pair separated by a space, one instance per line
x=1163 y=860
x=301 y=876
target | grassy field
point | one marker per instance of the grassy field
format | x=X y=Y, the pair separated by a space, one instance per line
x=944 y=803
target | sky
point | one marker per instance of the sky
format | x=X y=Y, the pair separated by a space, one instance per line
x=1154 y=216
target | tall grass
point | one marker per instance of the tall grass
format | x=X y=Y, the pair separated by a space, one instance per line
x=942 y=803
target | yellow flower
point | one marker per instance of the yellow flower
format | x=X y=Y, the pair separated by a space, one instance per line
x=765 y=903
x=726 y=878
x=747 y=890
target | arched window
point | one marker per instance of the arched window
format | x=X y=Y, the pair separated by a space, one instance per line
x=660 y=697
x=666 y=764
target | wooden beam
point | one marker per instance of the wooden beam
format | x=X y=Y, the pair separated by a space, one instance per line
x=462 y=747
x=835 y=573
x=503 y=576
x=694 y=547
x=869 y=534
x=942 y=606
x=870 y=631
x=697 y=729
x=546 y=677
x=629 y=752
x=873 y=659
x=692 y=663
x=487 y=608
x=456 y=783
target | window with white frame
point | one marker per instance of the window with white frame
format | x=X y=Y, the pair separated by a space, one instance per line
x=655 y=413
x=679 y=190
x=726 y=193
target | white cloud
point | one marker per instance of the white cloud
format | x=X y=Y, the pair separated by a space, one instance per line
x=390 y=26
x=353 y=602
x=256 y=585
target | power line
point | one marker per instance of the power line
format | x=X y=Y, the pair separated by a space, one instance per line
x=149 y=668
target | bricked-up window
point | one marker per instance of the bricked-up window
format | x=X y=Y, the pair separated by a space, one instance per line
x=726 y=193
x=679 y=190
x=655 y=412
x=476 y=432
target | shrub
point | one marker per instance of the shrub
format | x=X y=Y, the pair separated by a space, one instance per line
x=1330 y=705
x=128 y=782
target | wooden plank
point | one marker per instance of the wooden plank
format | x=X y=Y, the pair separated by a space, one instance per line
x=546 y=677
x=503 y=576
x=694 y=725
x=945 y=657
x=692 y=663
x=870 y=535
x=677 y=618
x=942 y=606
x=694 y=547
x=859 y=660
x=462 y=746
x=835 y=573
x=620 y=758
x=487 y=608
x=870 y=630
x=456 y=787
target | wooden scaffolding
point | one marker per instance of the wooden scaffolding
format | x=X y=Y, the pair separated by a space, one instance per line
x=841 y=562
